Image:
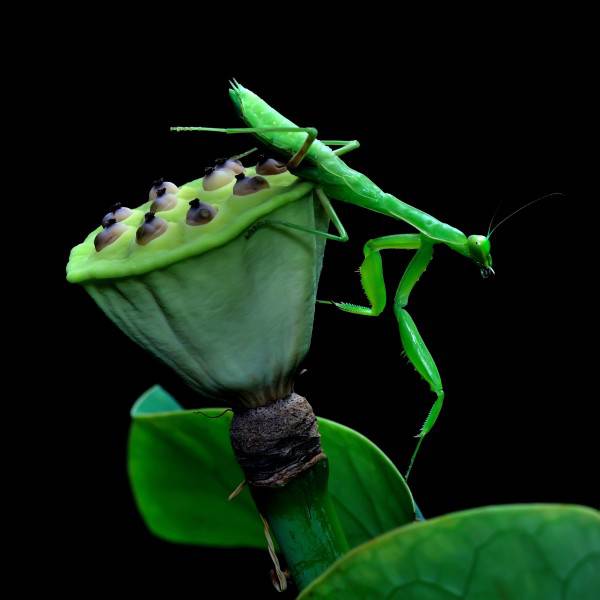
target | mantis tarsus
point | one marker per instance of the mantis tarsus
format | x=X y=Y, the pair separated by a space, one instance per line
x=315 y=161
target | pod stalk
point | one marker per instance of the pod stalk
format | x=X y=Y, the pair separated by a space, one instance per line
x=278 y=447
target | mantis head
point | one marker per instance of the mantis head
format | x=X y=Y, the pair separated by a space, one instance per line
x=480 y=252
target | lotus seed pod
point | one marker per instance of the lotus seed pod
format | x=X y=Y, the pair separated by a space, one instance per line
x=249 y=185
x=270 y=166
x=117 y=213
x=200 y=213
x=216 y=178
x=231 y=313
x=160 y=187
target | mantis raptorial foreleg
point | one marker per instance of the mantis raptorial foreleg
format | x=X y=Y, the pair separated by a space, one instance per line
x=341 y=237
x=371 y=273
x=296 y=159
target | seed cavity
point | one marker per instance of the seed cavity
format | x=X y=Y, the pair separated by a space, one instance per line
x=233 y=164
x=111 y=232
x=160 y=187
x=200 y=213
x=270 y=166
x=117 y=212
x=249 y=185
x=216 y=178
x=150 y=229
x=163 y=201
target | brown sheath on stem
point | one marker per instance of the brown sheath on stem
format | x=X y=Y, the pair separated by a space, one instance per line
x=275 y=443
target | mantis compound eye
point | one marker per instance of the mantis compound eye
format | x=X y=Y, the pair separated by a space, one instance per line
x=249 y=185
x=161 y=187
x=111 y=232
x=233 y=164
x=163 y=200
x=200 y=213
x=270 y=166
x=117 y=213
x=150 y=229
x=216 y=178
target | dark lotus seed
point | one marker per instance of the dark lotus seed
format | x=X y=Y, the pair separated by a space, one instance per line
x=233 y=164
x=270 y=166
x=217 y=178
x=150 y=229
x=161 y=187
x=163 y=202
x=249 y=185
x=200 y=213
x=111 y=232
x=117 y=212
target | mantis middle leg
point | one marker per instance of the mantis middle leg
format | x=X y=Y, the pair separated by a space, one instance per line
x=324 y=200
x=371 y=272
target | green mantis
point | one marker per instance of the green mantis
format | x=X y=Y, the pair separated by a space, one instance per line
x=314 y=161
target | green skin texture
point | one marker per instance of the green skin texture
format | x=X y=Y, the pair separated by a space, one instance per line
x=334 y=178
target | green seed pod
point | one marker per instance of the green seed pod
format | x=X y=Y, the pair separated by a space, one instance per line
x=231 y=313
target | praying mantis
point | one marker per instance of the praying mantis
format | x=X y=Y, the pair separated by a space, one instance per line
x=315 y=161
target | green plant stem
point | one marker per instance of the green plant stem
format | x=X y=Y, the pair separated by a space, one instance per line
x=304 y=522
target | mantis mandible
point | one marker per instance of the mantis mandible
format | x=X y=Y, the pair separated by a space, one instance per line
x=314 y=160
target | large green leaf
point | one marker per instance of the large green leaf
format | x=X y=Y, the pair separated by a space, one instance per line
x=182 y=469
x=526 y=552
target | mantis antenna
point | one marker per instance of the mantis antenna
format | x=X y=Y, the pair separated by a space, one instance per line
x=493 y=217
x=512 y=214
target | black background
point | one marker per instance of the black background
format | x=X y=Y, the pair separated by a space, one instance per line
x=454 y=135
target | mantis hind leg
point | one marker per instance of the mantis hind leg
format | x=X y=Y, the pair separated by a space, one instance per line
x=346 y=145
x=311 y=136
